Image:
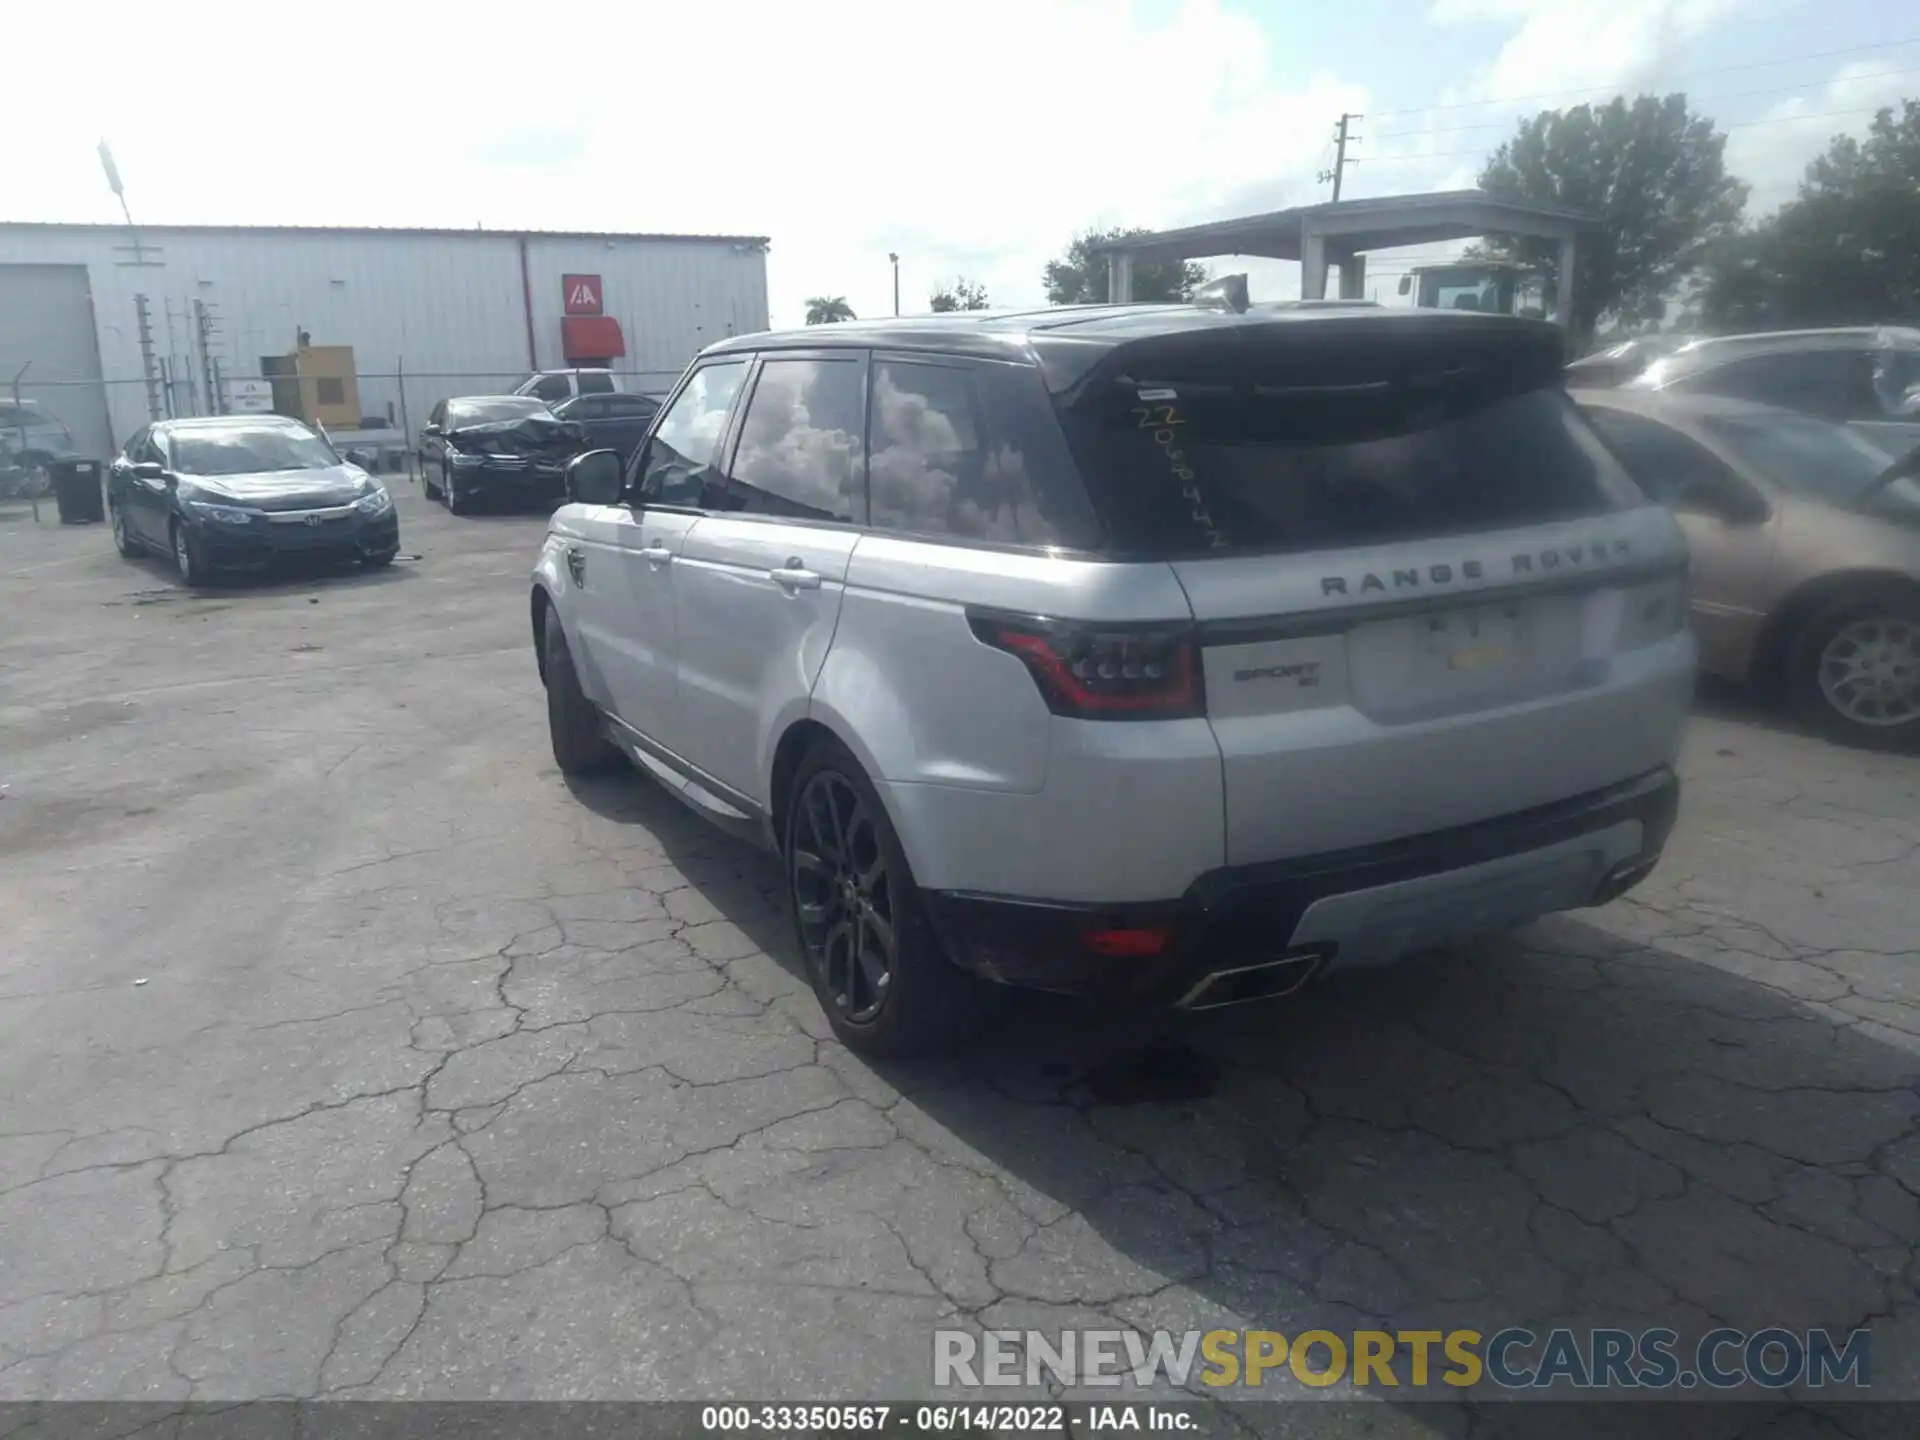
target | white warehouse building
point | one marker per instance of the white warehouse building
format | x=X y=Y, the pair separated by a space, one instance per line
x=104 y=328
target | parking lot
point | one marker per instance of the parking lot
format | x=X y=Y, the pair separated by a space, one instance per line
x=347 y=1050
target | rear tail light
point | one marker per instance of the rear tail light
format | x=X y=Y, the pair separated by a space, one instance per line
x=1129 y=942
x=1104 y=672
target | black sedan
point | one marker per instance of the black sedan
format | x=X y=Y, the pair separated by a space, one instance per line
x=244 y=492
x=492 y=445
x=613 y=422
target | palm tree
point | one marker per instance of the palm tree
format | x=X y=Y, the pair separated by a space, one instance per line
x=829 y=310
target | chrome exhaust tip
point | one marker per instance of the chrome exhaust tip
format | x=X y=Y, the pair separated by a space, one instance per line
x=1623 y=877
x=1244 y=984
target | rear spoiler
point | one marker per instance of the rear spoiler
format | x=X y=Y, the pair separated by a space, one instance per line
x=1343 y=344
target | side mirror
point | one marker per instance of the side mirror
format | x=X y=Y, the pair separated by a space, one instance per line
x=1406 y=284
x=595 y=478
x=150 y=470
x=430 y=429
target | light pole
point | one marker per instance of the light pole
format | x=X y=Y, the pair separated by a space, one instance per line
x=896 y=283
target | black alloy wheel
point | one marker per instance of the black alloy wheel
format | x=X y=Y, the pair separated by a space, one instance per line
x=843 y=897
x=123 y=540
x=188 y=563
x=876 y=965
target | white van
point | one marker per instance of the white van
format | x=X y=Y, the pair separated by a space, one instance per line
x=553 y=386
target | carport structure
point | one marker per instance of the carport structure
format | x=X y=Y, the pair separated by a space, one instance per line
x=1342 y=232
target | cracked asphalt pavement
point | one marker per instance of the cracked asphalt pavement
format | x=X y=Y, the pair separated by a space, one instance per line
x=346 y=1050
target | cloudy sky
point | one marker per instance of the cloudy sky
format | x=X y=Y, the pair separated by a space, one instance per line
x=972 y=139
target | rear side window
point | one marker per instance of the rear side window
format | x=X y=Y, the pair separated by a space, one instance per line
x=1834 y=384
x=971 y=451
x=595 y=382
x=1212 y=468
x=799 y=449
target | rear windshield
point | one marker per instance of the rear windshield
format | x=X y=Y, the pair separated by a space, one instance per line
x=1204 y=467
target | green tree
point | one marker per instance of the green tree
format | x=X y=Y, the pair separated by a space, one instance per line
x=1654 y=175
x=963 y=294
x=829 y=310
x=1080 y=276
x=1845 y=251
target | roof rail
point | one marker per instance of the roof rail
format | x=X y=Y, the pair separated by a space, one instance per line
x=1228 y=293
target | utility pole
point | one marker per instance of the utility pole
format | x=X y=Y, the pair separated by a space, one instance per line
x=896 y=283
x=203 y=332
x=1341 y=139
x=148 y=366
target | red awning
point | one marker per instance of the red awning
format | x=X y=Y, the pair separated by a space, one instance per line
x=591 y=337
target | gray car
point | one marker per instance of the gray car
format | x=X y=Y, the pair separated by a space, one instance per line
x=1863 y=377
x=30 y=439
x=1157 y=652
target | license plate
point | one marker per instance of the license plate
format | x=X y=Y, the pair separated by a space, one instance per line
x=1478 y=640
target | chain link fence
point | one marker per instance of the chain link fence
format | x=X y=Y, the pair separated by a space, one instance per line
x=66 y=414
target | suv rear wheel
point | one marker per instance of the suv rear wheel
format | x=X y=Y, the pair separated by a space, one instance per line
x=873 y=959
x=1855 y=669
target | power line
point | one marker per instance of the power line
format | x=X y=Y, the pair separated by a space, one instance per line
x=1737 y=95
x=1621 y=85
x=1743 y=125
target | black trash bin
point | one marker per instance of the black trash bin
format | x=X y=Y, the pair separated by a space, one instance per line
x=76 y=488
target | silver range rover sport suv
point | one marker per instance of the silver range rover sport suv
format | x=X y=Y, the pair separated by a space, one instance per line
x=1155 y=652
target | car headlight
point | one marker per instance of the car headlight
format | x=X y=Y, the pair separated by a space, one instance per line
x=461 y=458
x=375 y=502
x=222 y=514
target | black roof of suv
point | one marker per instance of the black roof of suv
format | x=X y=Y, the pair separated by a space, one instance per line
x=1068 y=341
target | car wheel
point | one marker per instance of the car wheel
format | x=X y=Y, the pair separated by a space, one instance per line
x=123 y=540
x=457 y=504
x=876 y=966
x=187 y=559
x=380 y=561
x=427 y=487
x=1855 y=670
x=579 y=747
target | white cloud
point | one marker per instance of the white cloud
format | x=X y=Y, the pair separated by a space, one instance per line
x=973 y=144
x=1563 y=45
x=1556 y=53
x=1772 y=155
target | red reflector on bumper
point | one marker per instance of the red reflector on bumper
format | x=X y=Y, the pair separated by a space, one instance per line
x=1128 y=944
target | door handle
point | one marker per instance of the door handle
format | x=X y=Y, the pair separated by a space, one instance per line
x=657 y=555
x=794 y=575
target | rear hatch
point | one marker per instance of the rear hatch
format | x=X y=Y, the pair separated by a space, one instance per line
x=1420 y=582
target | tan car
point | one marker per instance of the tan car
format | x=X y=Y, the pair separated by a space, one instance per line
x=1805 y=543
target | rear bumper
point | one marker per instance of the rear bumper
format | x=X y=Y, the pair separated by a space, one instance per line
x=1344 y=909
